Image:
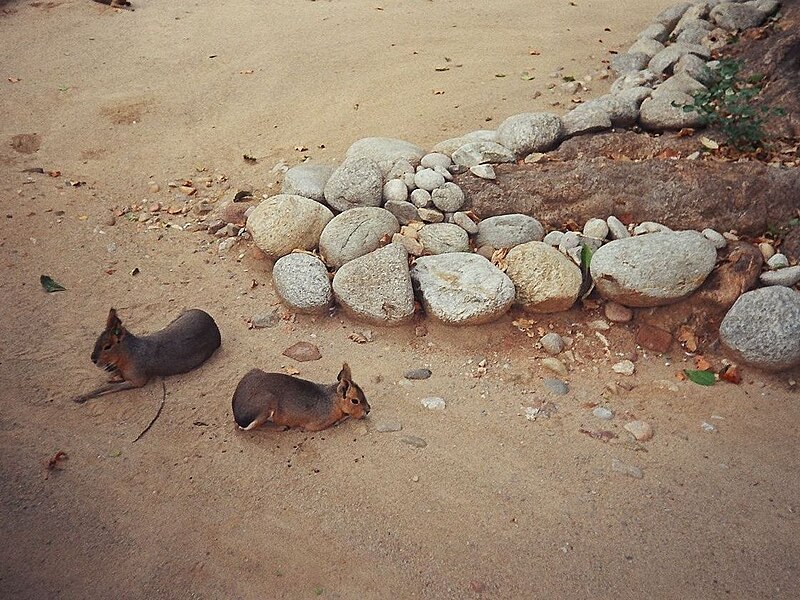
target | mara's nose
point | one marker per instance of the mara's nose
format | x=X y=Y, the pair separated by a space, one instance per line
x=94 y=358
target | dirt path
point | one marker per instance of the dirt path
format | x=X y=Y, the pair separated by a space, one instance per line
x=494 y=505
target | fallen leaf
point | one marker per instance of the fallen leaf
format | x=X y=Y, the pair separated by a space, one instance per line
x=440 y=69
x=438 y=92
x=499 y=74
x=534 y=52
x=291 y=371
x=603 y=435
x=527 y=76
x=687 y=337
x=54 y=173
x=701 y=363
x=686 y=132
x=50 y=285
x=247 y=72
x=731 y=374
x=248 y=158
x=57 y=457
x=709 y=143
x=700 y=377
x=134 y=271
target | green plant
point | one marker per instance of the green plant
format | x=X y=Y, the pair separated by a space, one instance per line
x=731 y=105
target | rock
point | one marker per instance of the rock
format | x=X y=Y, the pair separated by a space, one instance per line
x=355 y=183
x=388 y=426
x=476 y=153
x=301 y=282
x=555 y=365
x=653 y=338
x=302 y=352
x=623 y=107
x=735 y=17
x=421 y=198
x=417 y=374
x=788 y=276
x=603 y=413
x=695 y=67
x=655 y=31
x=428 y=179
x=624 y=367
x=385 y=152
x=598 y=325
x=654 y=269
x=639 y=79
x=596 y=228
x=630 y=62
x=663 y=61
x=433 y=403
x=507 y=231
x=680 y=83
x=449 y=146
x=552 y=343
x=286 y=222
x=355 y=233
x=545 y=280
x=440 y=238
x=529 y=132
x=462 y=288
x=462 y=220
x=647 y=46
x=483 y=171
x=556 y=386
x=554 y=238
x=658 y=114
x=695 y=32
x=430 y=215
x=649 y=227
x=448 y=176
x=448 y=197
x=715 y=238
x=412 y=440
x=404 y=212
x=226 y=245
x=412 y=245
x=762 y=329
x=641 y=430
x=767 y=250
x=708 y=427
x=670 y=16
x=624 y=469
x=395 y=190
x=307 y=180
x=265 y=320
x=616 y=228
x=617 y=313
x=778 y=261
x=436 y=159
x=376 y=287
x=400 y=169
x=586 y=118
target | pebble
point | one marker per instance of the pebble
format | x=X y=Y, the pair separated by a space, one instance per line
x=417 y=374
x=483 y=171
x=448 y=197
x=226 y=244
x=554 y=238
x=778 y=261
x=428 y=179
x=767 y=250
x=462 y=220
x=556 y=386
x=265 y=320
x=555 y=365
x=430 y=215
x=153 y=187
x=412 y=440
x=616 y=228
x=421 y=198
x=552 y=343
x=640 y=430
x=433 y=403
x=617 y=313
x=435 y=159
x=596 y=228
x=708 y=427
x=601 y=412
x=788 y=276
x=715 y=238
x=625 y=469
x=388 y=426
x=395 y=190
x=599 y=325
x=624 y=367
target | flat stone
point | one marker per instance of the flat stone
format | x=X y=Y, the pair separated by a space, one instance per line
x=483 y=171
x=355 y=233
x=603 y=413
x=477 y=153
x=465 y=222
x=640 y=430
x=417 y=374
x=385 y=151
x=507 y=231
x=303 y=352
x=412 y=440
x=430 y=215
x=556 y=386
x=433 y=403
x=404 y=212
x=388 y=426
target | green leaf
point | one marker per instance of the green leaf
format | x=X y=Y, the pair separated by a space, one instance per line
x=586 y=258
x=50 y=285
x=701 y=377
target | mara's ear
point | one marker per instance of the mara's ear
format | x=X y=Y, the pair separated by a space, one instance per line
x=344 y=374
x=113 y=323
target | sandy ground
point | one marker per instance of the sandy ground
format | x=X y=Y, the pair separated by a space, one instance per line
x=495 y=505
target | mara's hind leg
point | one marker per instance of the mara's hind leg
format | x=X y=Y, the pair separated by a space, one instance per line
x=258 y=421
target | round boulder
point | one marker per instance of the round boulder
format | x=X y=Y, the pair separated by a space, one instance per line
x=377 y=287
x=546 y=280
x=356 y=182
x=652 y=269
x=385 y=152
x=462 y=288
x=506 y=231
x=441 y=238
x=307 y=180
x=301 y=281
x=355 y=233
x=762 y=328
x=529 y=132
x=287 y=222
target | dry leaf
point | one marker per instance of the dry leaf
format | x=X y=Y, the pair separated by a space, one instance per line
x=291 y=371
x=709 y=143
x=247 y=72
x=731 y=374
x=687 y=337
x=701 y=363
x=438 y=92
x=686 y=132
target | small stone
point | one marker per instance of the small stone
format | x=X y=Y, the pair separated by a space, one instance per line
x=404 y=212
x=554 y=238
x=395 y=190
x=110 y=220
x=708 y=427
x=226 y=245
x=412 y=245
x=556 y=386
x=552 y=343
x=601 y=412
x=430 y=215
x=463 y=220
x=153 y=187
x=448 y=176
x=715 y=238
x=653 y=338
x=421 y=198
x=617 y=313
x=629 y=470
x=412 y=440
x=641 y=430
x=483 y=171
x=302 y=352
x=435 y=159
x=788 y=276
x=778 y=261
x=448 y=198
x=616 y=228
x=596 y=228
x=767 y=250
x=433 y=403
x=265 y=320
x=624 y=367
x=388 y=426
x=599 y=325
x=417 y=374
x=555 y=365
x=428 y=179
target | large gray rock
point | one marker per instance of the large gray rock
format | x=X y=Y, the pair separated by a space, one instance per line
x=735 y=17
x=652 y=269
x=507 y=231
x=529 y=132
x=643 y=78
x=696 y=68
x=356 y=182
x=377 y=287
x=307 y=180
x=629 y=62
x=666 y=112
x=287 y=222
x=587 y=118
x=385 y=151
x=670 y=16
x=480 y=152
x=762 y=328
x=655 y=31
x=449 y=146
x=356 y=232
x=546 y=280
x=646 y=46
x=663 y=61
x=441 y=238
x=695 y=32
x=678 y=83
x=462 y=288
x=302 y=283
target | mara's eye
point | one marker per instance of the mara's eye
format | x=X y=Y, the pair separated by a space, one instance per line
x=354 y=400
x=107 y=347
